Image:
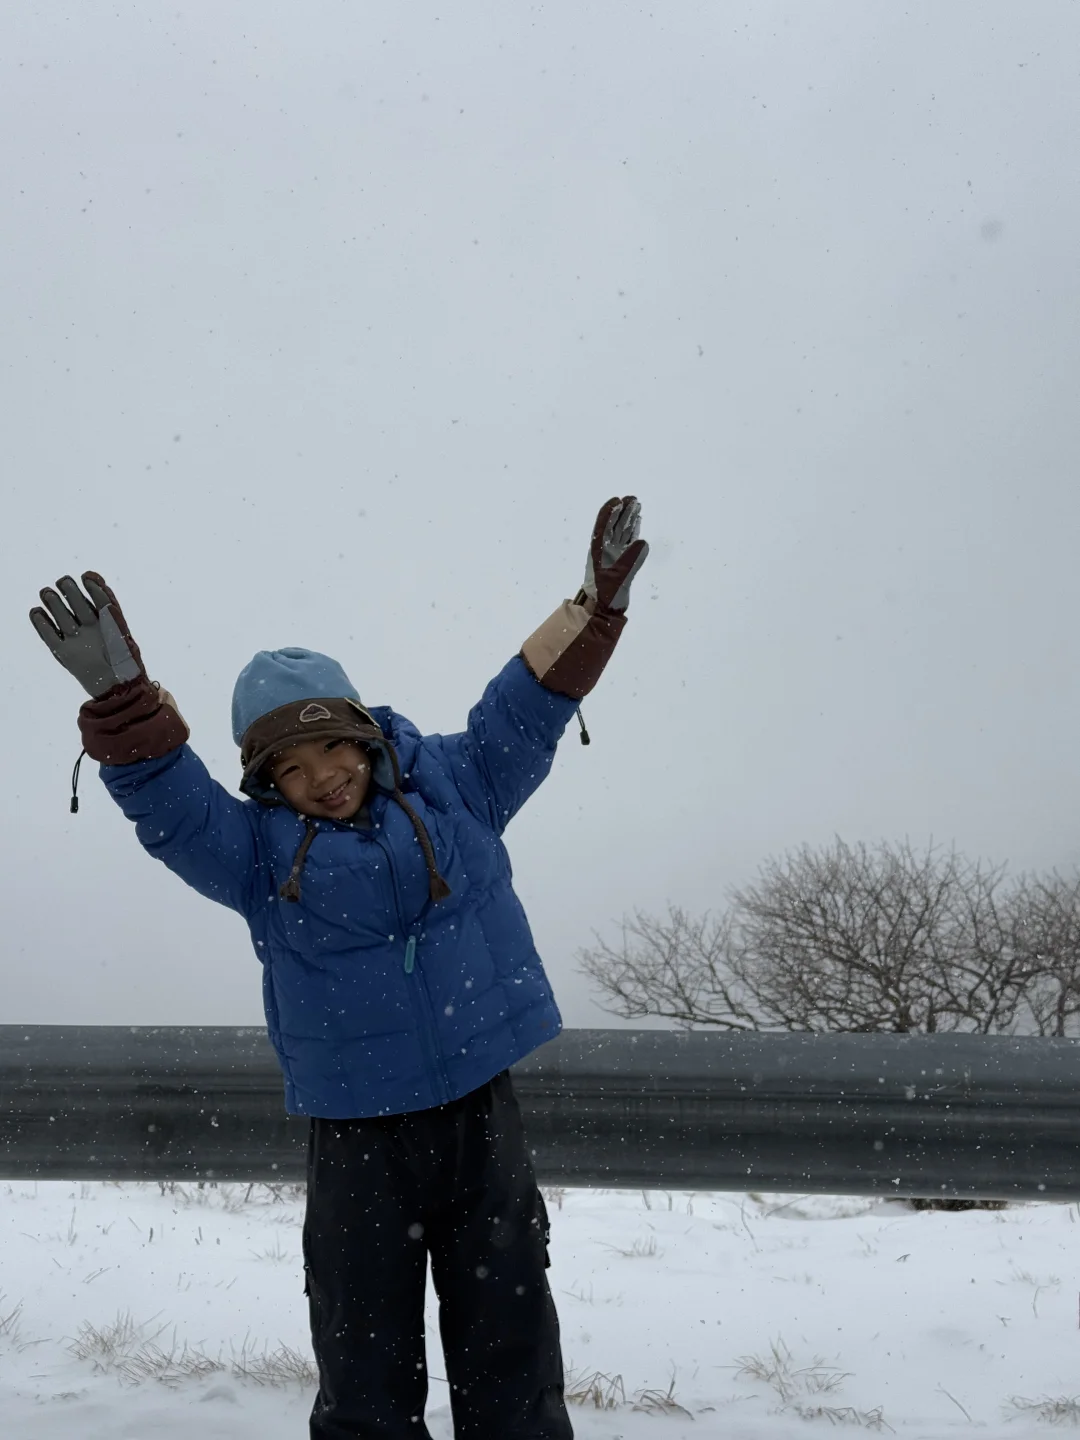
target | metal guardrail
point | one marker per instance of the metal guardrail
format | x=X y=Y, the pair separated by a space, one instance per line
x=965 y=1116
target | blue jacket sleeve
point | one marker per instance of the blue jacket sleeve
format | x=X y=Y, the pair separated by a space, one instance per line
x=192 y=824
x=508 y=746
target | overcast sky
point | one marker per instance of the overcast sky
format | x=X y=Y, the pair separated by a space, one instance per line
x=334 y=324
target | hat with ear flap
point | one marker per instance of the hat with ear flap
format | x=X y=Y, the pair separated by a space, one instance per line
x=284 y=696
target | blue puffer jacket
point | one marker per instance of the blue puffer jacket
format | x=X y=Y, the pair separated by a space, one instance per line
x=377 y=1000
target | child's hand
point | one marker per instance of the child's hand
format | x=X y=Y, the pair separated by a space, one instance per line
x=616 y=553
x=89 y=637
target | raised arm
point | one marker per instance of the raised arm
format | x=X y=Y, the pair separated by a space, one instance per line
x=133 y=728
x=509 y=743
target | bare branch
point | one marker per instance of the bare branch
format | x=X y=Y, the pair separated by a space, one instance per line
x=674 y=968
x=860 y=939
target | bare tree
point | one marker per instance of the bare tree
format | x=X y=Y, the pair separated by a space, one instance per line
x=987 y=983
x=1046 y=929
x=845 y=938
x=675 y=968
x=886 y=938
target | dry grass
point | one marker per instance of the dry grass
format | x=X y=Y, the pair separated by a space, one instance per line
x=108 y=1346
x=274 y=1252
x=800 y=1387
x=845 y=1415
x=171 y=1367
x=9 y=1322
x=129 y=1351
x=232 y=1197
x=646 y=1197
x=660 y=1402
x=595 y=1390
x=790 y=1381
x=1053 y=1410
x=280 y=1367
x=643 y=1248
x=588 y=1297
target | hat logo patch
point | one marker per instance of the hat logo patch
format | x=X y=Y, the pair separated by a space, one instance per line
x=314 y=712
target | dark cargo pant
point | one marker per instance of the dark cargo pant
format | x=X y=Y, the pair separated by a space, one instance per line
x=455 y=1183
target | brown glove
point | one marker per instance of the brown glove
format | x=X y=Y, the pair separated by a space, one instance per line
x=128 y=717
x=569 y=651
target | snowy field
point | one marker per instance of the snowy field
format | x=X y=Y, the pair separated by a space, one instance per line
x=132 y=1313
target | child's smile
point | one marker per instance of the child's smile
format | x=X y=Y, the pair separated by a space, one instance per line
x=323 y=777
x=337 y=797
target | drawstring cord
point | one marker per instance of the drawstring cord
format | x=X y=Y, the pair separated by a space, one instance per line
x=75 y=784
x=438 y=889
x=291 y=889
x=584 y=733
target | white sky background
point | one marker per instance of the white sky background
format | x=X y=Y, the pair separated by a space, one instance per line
x=334 y=324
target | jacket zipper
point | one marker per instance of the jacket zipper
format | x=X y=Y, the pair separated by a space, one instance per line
x=426 y=1008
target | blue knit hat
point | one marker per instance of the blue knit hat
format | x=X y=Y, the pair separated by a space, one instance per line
x=280 y=677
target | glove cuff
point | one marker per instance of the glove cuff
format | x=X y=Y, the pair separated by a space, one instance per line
x=569 y=651
x=134 y=721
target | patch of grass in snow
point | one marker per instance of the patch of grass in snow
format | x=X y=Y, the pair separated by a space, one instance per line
x=800 y=1386
x=643 y=1248
x=595 y=1390
x=111 y=1344
x=790 y=1381
x=232 y=1197
x=9 y=1322
x=171 y=1367
x=646 y=1197
x=127 y=1350
x=273 y=1252
x=68 y=1238
x=283 y=1366
x=1024 y=1277
x=845 y=1415
x=1054 y=1410
x=660 y=1402
x=587 y=1297
x=815 y=1207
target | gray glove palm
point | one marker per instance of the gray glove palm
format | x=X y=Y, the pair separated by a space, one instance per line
x=88 y=636
x=616 y=553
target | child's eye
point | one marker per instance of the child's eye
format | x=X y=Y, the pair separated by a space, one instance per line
x=289 y=770
x=331 y=743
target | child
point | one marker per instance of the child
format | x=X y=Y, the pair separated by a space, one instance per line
x=400 y=979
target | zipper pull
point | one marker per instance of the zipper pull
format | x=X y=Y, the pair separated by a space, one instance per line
x=584 y=733
x=410 y=955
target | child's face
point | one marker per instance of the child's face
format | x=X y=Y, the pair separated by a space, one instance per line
x=328 y=778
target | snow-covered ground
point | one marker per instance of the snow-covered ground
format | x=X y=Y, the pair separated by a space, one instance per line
x=127 y=1313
